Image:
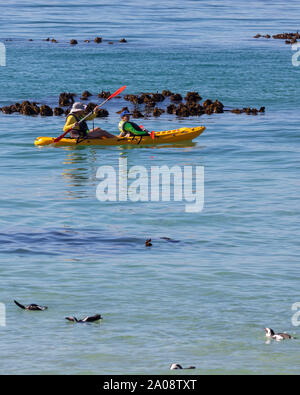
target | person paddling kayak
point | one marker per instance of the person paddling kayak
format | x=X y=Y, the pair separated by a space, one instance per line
x=81 y=129
x=128 y=128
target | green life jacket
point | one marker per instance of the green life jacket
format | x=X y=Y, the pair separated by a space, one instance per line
x=83 y=127
x=134 y=125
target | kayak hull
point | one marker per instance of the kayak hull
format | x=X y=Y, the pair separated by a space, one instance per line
x=165 y=137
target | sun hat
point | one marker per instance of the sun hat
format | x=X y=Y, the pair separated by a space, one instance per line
x=125 y=112
x=78 y=107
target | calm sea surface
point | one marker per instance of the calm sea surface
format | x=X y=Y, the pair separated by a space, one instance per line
x=234 y=269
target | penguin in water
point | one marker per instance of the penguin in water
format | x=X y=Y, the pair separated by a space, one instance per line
x=277 y=336
x=93 y=318
x=175 y=366
x=33 y=307
x=148 y=243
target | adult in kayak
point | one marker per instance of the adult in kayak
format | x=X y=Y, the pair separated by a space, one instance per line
x=81 y=129
x=128 y=128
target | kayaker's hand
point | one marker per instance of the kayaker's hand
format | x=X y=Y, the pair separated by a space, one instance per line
x=96 y=109
x=76 y=124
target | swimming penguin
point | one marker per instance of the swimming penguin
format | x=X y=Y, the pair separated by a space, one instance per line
x=175 y=366
x=32 y=306
x=93 y=318
x=277 y=336
x=148 y=243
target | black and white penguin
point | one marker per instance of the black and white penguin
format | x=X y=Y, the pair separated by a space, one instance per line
x=32 y=306
x=175 y=366
x=93 y=318
x=277 y=336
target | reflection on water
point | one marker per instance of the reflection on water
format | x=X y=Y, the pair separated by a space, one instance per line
x=79 y=176
x=182 y=144
x=77 y=156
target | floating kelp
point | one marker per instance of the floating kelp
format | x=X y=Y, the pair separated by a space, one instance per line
x=104 y=95
x=157 y=97
x=28 y=108
x=167 y=93
x=90 y=107
x=248 y=110
x=46 y=111
x=137 y=114
x=290 y=38
x=58 y=111
x=193 y=97
x=73 y=41
x=171 y=109
x=101 y=113
x=144 y=104
x=85 y=95
x=6 y=110
x=135 y=99
x=157 y=112
x=66 y=99
x=176 y=97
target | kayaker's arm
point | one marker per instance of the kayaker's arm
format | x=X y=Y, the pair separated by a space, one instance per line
x=70 y=124
x=92 y=116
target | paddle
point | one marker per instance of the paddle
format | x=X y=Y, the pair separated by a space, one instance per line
x=57 y=139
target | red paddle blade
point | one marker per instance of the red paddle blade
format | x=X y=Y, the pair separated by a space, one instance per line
x=117 y=92
x=152 y=134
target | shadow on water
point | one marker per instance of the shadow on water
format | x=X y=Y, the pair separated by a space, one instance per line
x=71 y=242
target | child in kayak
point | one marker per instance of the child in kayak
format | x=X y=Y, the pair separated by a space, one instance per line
x=81 y=129
x=129 y=129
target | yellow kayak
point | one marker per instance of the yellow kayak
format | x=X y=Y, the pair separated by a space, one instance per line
x=168 y=136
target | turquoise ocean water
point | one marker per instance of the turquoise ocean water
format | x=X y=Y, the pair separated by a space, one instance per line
x=204 y=300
